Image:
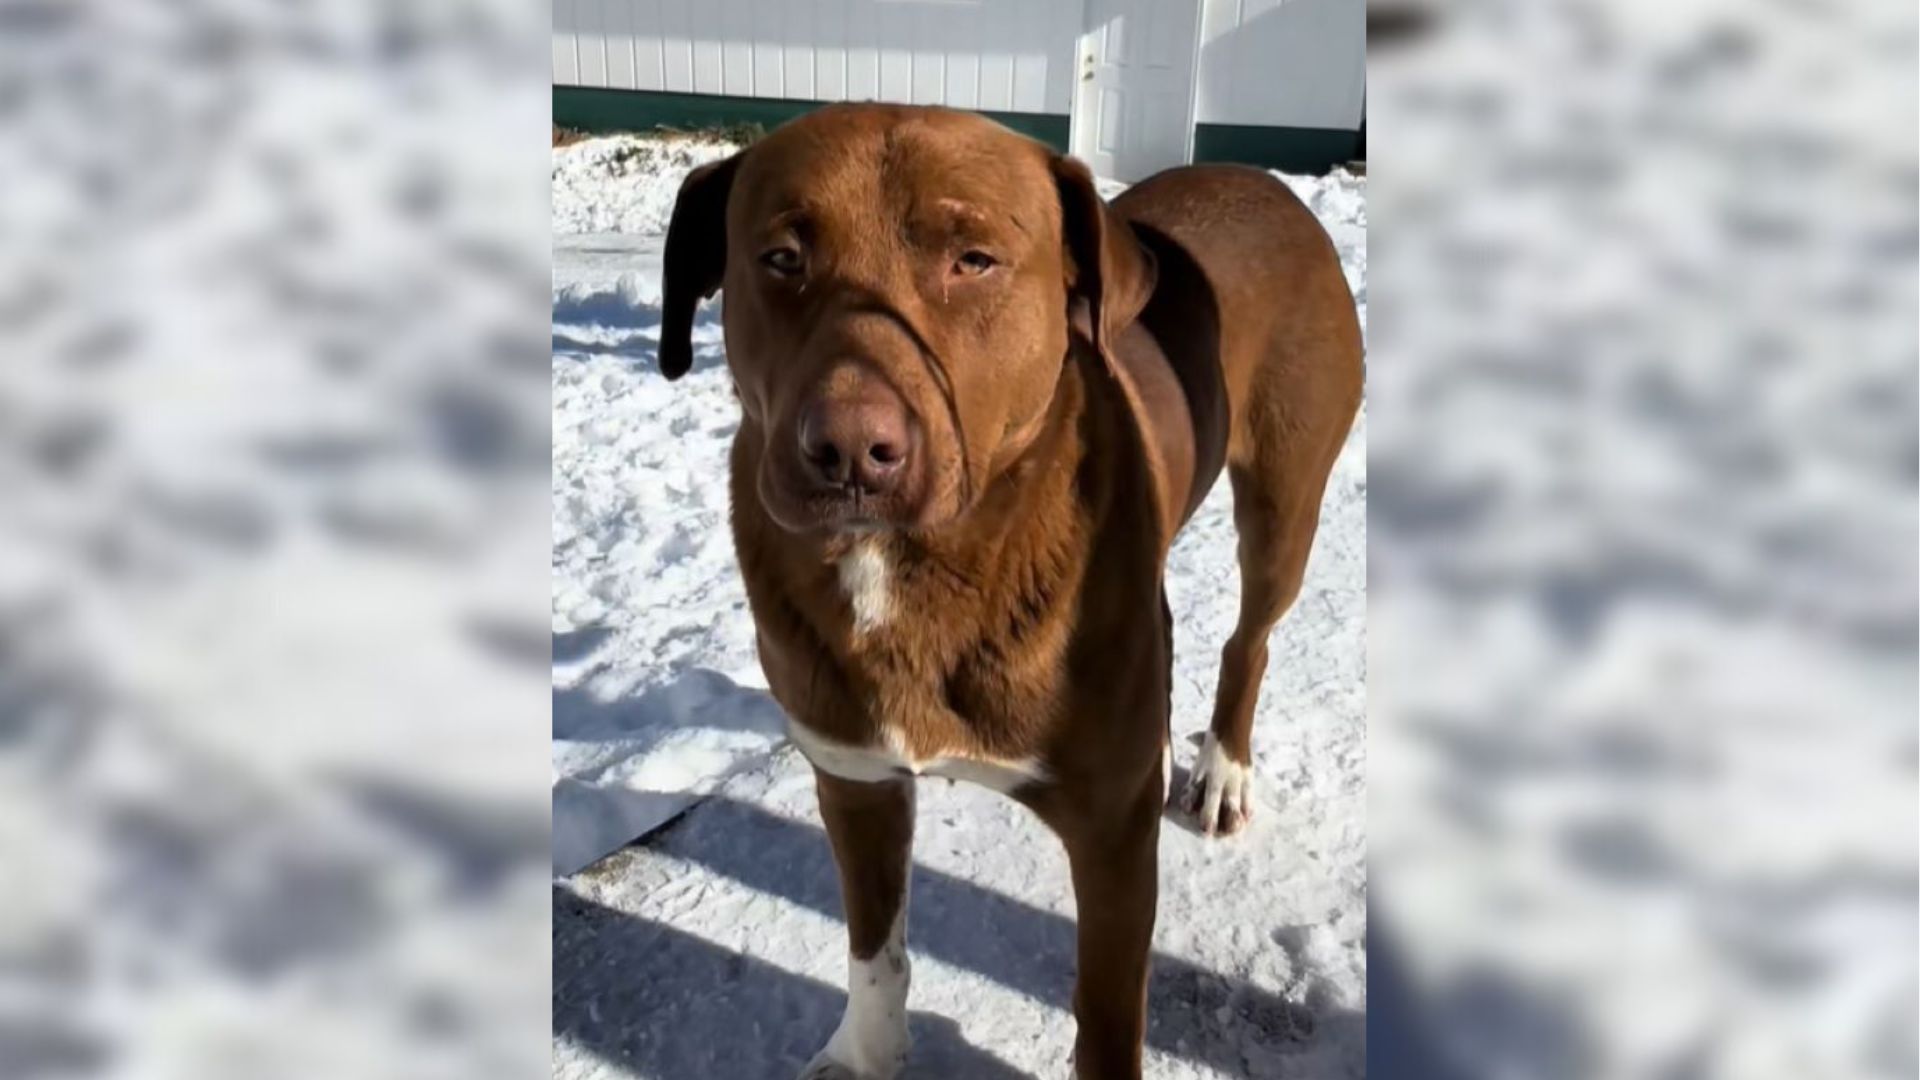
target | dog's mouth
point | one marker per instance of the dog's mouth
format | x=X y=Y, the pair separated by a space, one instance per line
x=850 y=510
x=799 y=504
x=844 y=513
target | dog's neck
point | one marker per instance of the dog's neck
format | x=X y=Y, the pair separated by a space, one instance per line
x=962 y=638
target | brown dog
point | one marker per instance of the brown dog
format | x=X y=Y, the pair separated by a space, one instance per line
x=978 y=405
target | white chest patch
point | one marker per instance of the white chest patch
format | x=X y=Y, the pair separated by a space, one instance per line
x=873 y=764
x=863 y=574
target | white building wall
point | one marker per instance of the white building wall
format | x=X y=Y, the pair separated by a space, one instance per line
x=997 y=55
x=1283 y=63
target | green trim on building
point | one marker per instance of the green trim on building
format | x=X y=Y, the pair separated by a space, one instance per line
x=597 y=110
x=1289 y=149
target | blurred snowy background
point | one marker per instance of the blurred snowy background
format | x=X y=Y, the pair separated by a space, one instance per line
x=273 y=457
x=273 y=541
x=1642 y=522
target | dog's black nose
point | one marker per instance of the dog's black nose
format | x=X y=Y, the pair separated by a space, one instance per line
x=862 y=440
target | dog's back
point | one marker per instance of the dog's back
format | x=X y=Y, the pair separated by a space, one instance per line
x=1291 y=352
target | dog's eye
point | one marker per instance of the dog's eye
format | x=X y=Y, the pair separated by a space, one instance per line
x=784 y=261
x=974 y=263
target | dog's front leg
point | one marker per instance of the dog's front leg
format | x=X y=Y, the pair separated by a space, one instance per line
x=1114 y=854
x=871 y=826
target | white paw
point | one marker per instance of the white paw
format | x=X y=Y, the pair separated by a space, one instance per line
x=871 y=1042
x=1220 y=791
x=825 y=1066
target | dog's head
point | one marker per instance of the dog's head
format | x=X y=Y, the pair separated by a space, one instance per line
x=900 y=287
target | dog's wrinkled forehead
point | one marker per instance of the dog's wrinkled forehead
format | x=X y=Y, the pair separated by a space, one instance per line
x=854 y=170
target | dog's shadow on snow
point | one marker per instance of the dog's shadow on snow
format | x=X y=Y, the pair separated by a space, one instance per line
x=687 y=1007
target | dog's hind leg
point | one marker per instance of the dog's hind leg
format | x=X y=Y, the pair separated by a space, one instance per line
x=1276 y=523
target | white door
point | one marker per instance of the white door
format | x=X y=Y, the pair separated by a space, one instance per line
x=1133 y=103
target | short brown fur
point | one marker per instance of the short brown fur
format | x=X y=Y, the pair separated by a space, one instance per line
x=1071 y=407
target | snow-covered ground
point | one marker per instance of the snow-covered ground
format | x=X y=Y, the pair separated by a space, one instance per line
x=715 y=947
x=619 y=184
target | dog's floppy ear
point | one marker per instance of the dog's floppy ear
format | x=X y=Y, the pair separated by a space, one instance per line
x=696 y=258
x=1107 y=266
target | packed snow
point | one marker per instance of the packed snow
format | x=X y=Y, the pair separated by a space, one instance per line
x=714 y=947
x=620 y=183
